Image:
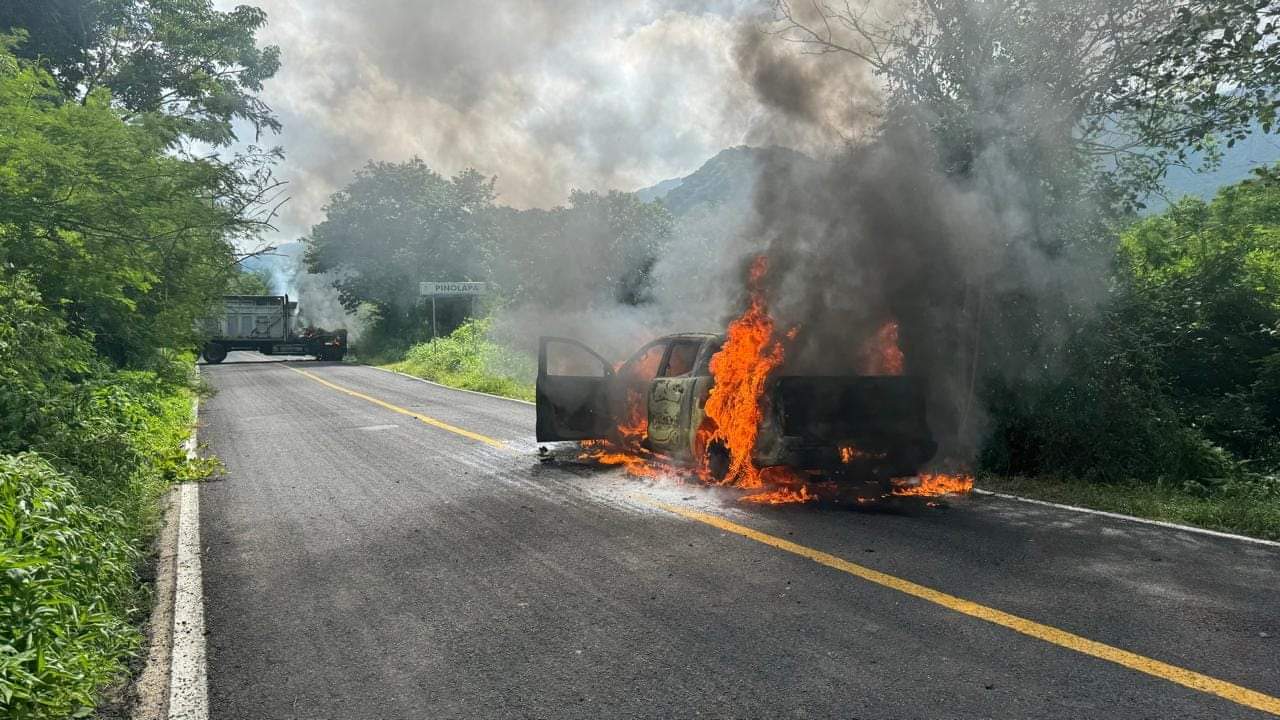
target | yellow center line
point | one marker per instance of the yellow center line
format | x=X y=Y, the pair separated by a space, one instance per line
x=1194 y=680
x=405 y=411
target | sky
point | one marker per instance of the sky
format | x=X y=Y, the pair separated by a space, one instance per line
x=547 y=96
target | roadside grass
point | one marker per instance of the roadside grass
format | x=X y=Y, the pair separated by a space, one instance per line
x=467 y=359
x=1248 y=508
x=78 y=509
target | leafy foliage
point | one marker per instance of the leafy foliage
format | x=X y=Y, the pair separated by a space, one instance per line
x=1065 y=87
x=85 y=451
x=190 y=69
x=250 y=282
x=112 y=243
x=601 y=246
x=127 y=241
x=397 y=224
x=1175 y=380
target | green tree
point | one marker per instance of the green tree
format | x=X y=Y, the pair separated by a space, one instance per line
x=190 y=70
x=1178 y=378
x=1065 y=86
x=398 y=224
x=124 y=239
x=179 y=68
x=600 y=248
x=250 y=282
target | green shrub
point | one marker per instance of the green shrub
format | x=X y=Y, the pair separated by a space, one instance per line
x=67 y=592
x=85 y=452
x=466 y=358
x=117 y=434
x=1174 y=380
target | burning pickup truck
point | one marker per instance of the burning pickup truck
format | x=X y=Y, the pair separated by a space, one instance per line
x=689 y=399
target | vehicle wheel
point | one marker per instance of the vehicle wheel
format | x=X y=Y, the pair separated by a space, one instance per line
x=214 y=353
x=718 y=460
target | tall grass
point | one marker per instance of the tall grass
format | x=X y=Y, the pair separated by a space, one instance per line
x=86 y=450
x=467 y=359
x=67 y=592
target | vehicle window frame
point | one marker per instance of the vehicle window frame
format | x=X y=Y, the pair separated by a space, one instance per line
x=703 y=364
x=693 y=362
x=622 y=371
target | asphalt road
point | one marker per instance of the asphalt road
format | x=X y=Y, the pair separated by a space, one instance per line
x=362 y=563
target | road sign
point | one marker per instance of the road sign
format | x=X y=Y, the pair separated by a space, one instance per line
x=434 y=290
x=452 y=288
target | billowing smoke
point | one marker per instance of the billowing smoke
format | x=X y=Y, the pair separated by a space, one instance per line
x=895 y=230
x=870 y=224
x=546 y=96
x=875 y=228
x=318 y=304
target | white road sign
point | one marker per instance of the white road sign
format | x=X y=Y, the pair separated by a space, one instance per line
x=451 y=288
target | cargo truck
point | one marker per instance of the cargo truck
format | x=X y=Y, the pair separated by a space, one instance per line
x=265 y=323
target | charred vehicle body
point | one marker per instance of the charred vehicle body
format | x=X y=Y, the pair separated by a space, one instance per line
x=859 y=427
x=265 y=323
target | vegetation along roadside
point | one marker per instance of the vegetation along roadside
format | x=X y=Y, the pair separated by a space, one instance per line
x=114 y=239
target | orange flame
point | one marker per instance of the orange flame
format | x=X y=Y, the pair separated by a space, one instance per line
x=637 y=462
x=635 y=429
x=791 y=486
x=740 y=370
x=781 y=496
x=849 y=453
x=933 y=485
x=884 y=356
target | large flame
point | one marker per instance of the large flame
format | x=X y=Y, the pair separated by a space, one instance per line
x=740 y=370
x=735 y=407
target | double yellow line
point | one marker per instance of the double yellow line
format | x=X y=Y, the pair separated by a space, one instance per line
x=1172 y=673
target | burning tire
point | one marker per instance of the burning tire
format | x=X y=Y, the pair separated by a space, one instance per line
x=214 y=353
x=718 y=460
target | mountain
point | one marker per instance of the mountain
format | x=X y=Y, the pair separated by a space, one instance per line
x=726 y=179
x=729 y=177
x=659 y=191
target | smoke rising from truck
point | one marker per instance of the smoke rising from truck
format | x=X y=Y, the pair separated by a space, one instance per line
x=877 y=228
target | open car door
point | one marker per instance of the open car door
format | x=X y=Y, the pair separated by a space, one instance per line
x=571 y=391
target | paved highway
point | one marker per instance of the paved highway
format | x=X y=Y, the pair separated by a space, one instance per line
x=381 y=547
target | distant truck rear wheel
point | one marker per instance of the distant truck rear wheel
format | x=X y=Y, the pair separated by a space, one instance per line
x=214 y=353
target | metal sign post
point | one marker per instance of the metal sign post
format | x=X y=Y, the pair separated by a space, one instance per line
x=448 y=289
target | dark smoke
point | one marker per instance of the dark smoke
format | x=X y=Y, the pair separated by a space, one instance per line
x=885 y=234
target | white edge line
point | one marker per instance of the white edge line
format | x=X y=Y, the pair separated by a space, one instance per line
x=449 y=387
x=1130 y=518
x=188 y=675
